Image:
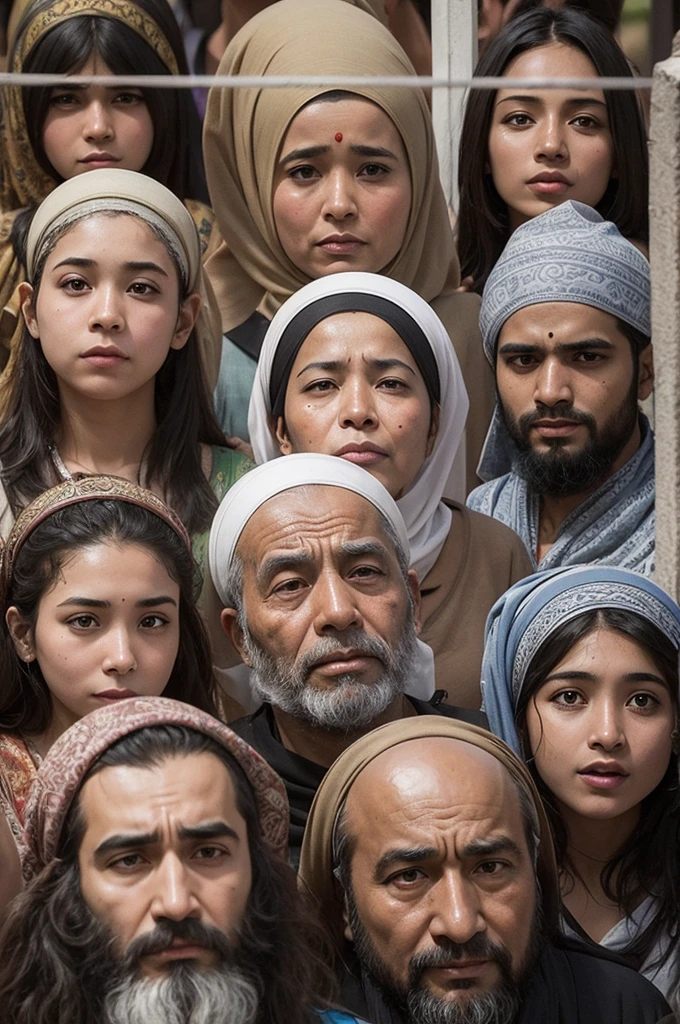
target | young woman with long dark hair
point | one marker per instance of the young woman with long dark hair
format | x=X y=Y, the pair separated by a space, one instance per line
x=523 y=151
x=580 y=676
x=98 y=604
x=48 y=135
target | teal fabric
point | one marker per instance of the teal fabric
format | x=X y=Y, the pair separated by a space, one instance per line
x=336 y=1017
x=232 y=394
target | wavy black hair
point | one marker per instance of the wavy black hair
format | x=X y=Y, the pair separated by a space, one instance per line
x=647 y=862
x=25 y=700
x=483 y=228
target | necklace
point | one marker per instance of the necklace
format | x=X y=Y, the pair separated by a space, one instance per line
x=65 y=474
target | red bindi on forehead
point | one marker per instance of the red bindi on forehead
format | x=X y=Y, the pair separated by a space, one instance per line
x=338 y=136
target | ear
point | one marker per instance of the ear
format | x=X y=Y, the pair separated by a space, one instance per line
x=414 y=588
x=229 y=623
x=26 y=294
x=21 y=634
x=646 y=373
x=283 y=441
x=434 y=430
x=188 y=315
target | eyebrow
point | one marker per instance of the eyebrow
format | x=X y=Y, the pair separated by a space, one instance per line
x=591 y=677
x=81 y=261
x=489 y=847
x=79 y=87
x=358 y=548
x=125 y=840
x=403 y=855
x=309 y=152
x=91 y=602
x=575 y=101
x=476 y=848
x=287 y=560
x=584 y=345
x=331 y=365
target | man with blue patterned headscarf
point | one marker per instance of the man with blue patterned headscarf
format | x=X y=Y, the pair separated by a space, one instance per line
x=569 y=458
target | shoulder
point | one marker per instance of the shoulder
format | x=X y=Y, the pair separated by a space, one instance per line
x=612 y=988
x=484 y=529
x=228 y=466
x=483 y=498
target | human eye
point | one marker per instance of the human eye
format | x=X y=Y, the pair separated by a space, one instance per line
x=407 y=878
x=492 y=868
x=567 y=698
x=305 y=172
x=643 y=702
x=518 y=120
x=63 y=99
x=522 y=361
x=585 y=121
x=320 y=386
x=366 y=572
x=290 y=587
x=83 y=622
x=153 y=622
x=127 y=863
x=143 y=288
x=374 y=170
x=588 y=357
x=392 y=384
x=74 y=285
x=128 y=98
x=212 y=853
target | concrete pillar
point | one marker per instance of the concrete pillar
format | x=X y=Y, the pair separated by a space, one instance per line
x=665 y=260
x=454 y=55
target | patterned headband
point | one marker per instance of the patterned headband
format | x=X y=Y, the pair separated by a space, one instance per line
x=120 y=10
x=72 y=492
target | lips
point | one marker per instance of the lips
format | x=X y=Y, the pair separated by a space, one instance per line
x=549 y=183
x=603 y=775
x=116 y=694
x=104 y=355
x=363 y=454
x=100 y=159
x=341 y=244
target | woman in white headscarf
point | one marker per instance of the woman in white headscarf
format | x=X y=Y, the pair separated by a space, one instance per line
x=360 y=366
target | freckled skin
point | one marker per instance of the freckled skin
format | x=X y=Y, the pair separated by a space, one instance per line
x=288 y=612
x=440 y=794
x=131 y=889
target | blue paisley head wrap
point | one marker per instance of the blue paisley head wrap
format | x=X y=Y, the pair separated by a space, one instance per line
x=526 y=615
x=569 y=254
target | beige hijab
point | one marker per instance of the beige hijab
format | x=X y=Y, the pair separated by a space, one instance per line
x=316 y=860
x=244 y=129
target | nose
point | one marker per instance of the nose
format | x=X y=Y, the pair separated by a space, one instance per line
x=98 y=126
x=119 y=658
x=550 y=141
x=456 y=910
x=335 y=604
x=173 y=895
x=107 y=311
x=357 y=408
x=339 y=196
x=606 y=726
x=552 y=383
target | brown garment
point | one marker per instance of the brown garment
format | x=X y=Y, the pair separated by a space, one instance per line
x=480 y=559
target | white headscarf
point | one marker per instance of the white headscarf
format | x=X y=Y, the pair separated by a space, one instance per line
x=303 y=470
x=427 y=519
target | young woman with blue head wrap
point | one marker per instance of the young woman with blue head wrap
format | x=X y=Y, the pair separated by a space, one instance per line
x=580 y=677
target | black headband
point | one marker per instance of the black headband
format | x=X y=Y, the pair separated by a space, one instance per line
x=306 y=320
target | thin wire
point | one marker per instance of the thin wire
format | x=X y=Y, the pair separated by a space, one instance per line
x=320 y=81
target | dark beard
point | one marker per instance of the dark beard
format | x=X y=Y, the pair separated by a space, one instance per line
x=417 y=1005
x=558 y=474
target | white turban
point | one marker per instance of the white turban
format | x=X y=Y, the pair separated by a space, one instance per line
x=304 y=470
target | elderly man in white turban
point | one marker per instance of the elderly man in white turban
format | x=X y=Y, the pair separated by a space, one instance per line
x=310 y=557
x=569 y=458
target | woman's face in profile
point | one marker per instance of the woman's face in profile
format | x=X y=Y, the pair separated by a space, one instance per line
x=342 y=188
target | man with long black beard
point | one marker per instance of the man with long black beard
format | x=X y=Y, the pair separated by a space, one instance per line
x=309 y=554
x=569 y=458
x=429 y=854
x=164 y=895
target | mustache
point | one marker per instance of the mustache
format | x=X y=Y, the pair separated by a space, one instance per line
x=165 y=933
x=559 y=411
x=350 y=639
x=479 y=947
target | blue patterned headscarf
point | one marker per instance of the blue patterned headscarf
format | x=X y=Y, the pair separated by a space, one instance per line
x=526 y=615
x=569 y=254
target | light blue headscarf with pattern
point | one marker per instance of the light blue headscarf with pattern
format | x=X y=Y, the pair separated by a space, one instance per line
x=568 y=254
x=526 y=615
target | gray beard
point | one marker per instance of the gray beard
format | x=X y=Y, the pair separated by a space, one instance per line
x=501 y=1006
x=184 y=996
x=349 y=704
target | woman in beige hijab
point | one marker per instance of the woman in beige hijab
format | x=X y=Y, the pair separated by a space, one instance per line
x=246 y=131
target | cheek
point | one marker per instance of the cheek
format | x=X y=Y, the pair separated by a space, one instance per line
x=292 y=212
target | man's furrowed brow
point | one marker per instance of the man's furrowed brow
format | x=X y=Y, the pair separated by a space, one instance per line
x=280 y=562
x=491 y=847
x=360 y=548
x=208 y=830
x=125 y=841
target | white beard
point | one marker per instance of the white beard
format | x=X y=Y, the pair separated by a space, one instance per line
x=184 y=996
